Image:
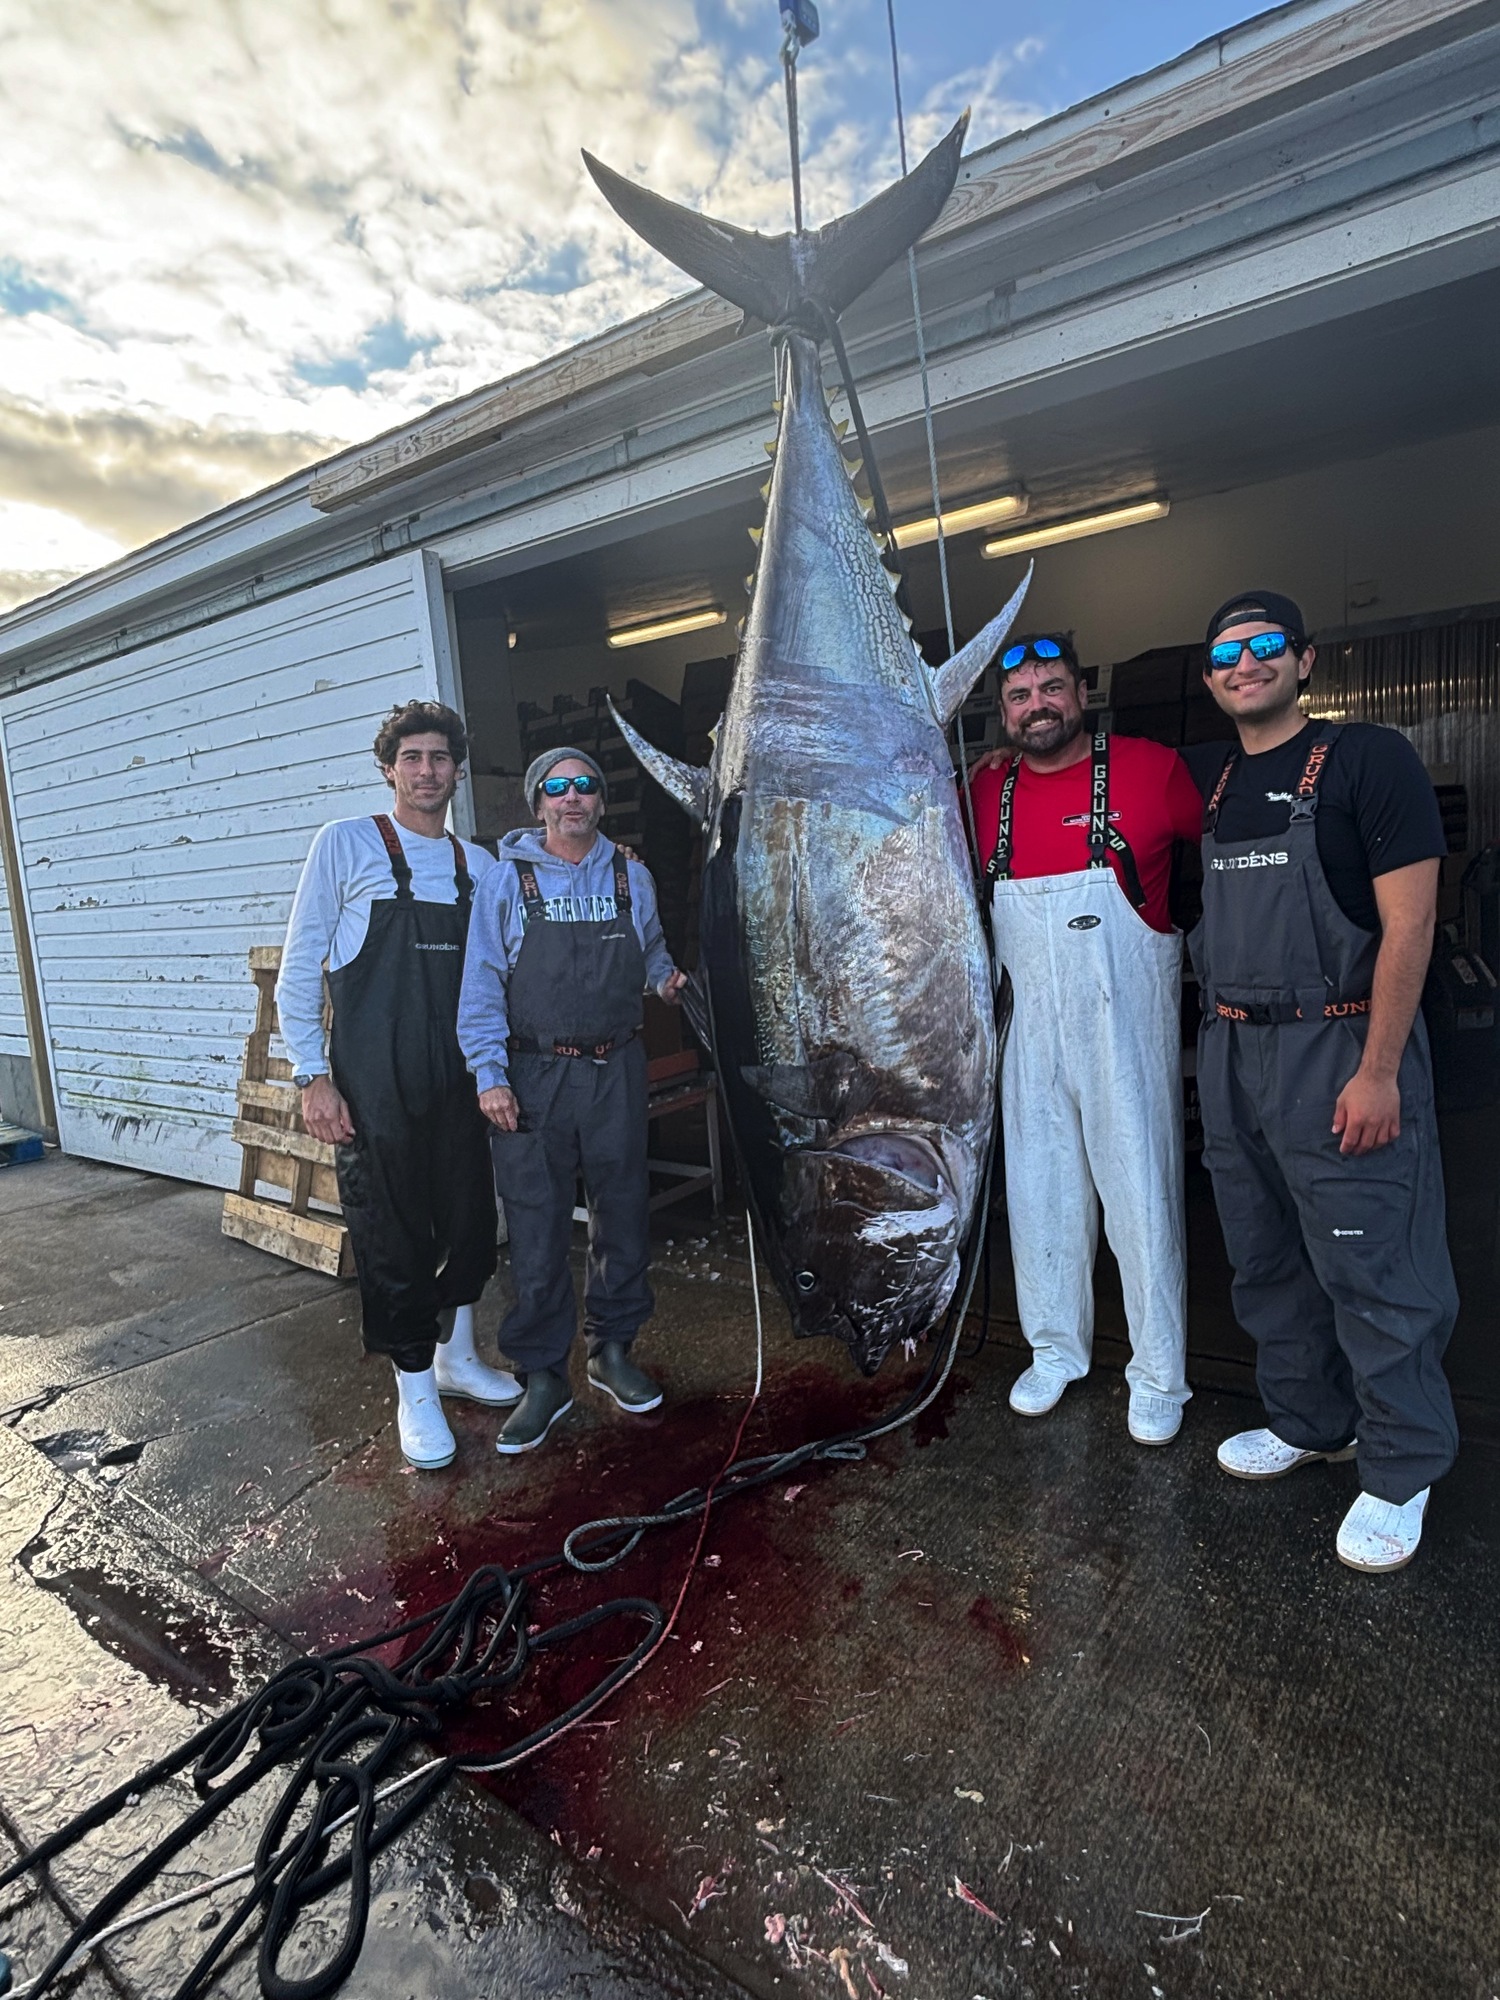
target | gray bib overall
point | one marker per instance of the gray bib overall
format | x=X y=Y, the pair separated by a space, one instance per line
x=578 y=1071
x=1341 y=1270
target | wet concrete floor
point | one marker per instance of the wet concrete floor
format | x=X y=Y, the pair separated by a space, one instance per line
x=1010 y=1708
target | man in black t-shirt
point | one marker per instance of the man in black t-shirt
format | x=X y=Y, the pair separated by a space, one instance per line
x=1377 y=810
x=1321 y=850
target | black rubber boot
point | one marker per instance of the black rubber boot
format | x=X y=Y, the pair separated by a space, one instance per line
x=547 y=1397
x=612 y=1370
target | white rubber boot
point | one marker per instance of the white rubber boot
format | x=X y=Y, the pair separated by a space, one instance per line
x=460 y=1372
x=1037 y=1390
x=1153 y=1419
x=1378 y=1535
x=1263 y=1455
x=426 y=1441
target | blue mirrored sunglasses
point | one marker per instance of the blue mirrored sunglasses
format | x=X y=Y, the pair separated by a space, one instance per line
x=1264 y=646
x=585 y=782
x=1034 y=649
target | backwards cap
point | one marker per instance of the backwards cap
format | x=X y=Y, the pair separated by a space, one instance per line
x=1268 y=605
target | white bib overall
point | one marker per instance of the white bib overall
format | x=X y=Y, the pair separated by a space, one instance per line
x=1091 y=1104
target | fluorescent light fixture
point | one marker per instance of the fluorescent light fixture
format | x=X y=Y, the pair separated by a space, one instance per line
x=1075 y=530
x=665 y=628
x=963 y=520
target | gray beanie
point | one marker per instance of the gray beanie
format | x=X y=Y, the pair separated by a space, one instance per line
x=538 y=768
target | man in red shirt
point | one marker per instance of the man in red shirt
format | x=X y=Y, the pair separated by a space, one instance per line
x=1075 y=834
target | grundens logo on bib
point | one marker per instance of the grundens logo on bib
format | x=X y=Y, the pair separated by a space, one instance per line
x=1277 y=860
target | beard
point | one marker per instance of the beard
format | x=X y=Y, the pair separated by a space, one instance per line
x=1048 y=730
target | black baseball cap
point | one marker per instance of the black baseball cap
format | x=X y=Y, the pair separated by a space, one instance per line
x=1269 y=605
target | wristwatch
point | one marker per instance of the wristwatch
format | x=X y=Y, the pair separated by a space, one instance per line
x=302 y=1080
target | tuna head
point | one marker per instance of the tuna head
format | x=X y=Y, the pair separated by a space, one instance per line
x=870 y=1238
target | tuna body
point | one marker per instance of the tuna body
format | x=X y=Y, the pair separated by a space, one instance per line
x=842 y=952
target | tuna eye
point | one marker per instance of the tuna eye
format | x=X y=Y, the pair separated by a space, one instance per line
x=806 y=1281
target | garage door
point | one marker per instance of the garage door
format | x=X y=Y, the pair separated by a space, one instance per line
x=163 y=804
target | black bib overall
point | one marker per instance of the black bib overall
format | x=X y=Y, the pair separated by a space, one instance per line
x=1341 y=1271
x=412 y=1182
x=578 y=1071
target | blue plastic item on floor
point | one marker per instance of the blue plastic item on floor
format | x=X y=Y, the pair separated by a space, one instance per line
x=16 y=1146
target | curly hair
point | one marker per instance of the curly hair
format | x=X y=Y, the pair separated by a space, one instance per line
x=419 y=718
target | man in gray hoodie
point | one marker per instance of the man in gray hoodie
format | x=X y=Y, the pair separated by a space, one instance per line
x=563 y=942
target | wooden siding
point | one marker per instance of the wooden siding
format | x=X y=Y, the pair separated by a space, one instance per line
x=12 y=1008
x=164 y=804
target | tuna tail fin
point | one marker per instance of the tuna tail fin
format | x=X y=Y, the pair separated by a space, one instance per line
x=952 y=681
x=776 y=278
x=687 y=783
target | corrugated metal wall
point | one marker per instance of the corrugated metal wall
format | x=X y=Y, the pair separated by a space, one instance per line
x=1441 y=687
x=164 y=804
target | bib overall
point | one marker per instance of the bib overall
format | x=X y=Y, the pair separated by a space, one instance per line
x=412 y=1182
x=578 y=1072
x=1341 y=1271
x=1091 y=1099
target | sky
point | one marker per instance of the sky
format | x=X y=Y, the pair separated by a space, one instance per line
x=242 y=234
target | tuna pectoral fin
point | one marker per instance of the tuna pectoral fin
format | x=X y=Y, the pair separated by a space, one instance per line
x=695 y=1007
x=775 y=277
x=952 y=681
x=687 y=783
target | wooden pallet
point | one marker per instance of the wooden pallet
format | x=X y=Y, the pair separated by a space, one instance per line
x=279 y=1152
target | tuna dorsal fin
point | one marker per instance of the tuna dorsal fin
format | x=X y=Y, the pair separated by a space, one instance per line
x=687 y=783
x=775 y=278
x=952 y=681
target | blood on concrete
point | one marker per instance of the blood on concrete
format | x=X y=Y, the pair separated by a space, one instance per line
x=778 y=1604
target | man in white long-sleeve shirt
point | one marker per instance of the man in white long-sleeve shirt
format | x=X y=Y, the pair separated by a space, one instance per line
x=384 y=903
x=564 y=942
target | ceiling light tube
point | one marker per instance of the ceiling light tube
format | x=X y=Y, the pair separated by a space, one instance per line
x=1075 y=530
x=665 y=628
x=962 y=520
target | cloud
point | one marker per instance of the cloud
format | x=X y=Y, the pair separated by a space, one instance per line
x=43 y=547
x=128 y=478
x=260 y=232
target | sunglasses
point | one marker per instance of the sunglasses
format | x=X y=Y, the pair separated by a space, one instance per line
x=1264 y=646
x=1035 y=649
x=557 y=788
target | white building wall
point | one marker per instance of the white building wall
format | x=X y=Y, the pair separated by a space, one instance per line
x=12 y=1016
x=164 y=803
x=17 y=1095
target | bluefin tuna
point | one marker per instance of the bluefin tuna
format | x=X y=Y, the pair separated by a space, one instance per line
x=845 y=971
